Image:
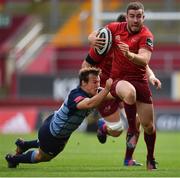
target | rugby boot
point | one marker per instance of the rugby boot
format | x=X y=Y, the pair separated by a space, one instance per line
x=10 y=161
x=132 y=162
x=20 y=146
x=151 y=165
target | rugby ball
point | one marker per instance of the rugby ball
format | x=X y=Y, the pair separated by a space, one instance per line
x=104 y=33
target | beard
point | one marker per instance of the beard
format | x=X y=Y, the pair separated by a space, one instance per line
x=137 y=30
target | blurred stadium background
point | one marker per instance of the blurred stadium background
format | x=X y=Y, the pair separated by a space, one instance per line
x=43 y=43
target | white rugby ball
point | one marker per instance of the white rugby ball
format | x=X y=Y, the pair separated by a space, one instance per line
x=104 y=33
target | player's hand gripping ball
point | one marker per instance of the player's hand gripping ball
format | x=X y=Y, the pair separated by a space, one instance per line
x=104 y=33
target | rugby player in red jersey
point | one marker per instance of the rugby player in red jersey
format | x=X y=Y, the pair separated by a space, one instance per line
x=130 y=54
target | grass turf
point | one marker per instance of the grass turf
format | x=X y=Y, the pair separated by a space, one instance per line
x=84 y=156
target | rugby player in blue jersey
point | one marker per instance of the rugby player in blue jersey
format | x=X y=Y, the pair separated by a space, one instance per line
x=58 y=127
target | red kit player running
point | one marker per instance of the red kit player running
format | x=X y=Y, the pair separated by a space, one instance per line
x=127 y=60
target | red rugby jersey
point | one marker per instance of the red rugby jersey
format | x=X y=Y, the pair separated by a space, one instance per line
x=114 y=63
x=121 y=67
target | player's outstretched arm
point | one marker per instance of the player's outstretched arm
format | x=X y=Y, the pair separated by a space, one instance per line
x=93 y=102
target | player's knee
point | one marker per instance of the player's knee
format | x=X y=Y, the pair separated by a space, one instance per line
x=43 y=158
x=115 y=133
x=115 y=128
x=126 y=92
x=130 y=96
x=149 y=128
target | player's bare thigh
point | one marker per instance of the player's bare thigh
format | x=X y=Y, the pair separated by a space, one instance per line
x=125 y=91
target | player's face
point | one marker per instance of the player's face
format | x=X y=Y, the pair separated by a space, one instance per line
x=135 y=19
x=93 y=85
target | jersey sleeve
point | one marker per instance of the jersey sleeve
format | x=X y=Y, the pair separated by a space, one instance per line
x=93 y=57
x=147 y=42
x=74 y=99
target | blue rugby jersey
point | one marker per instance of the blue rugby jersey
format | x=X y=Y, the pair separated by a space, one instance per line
x=68 y=117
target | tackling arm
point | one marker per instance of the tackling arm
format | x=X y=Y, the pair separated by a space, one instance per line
x=88 y=103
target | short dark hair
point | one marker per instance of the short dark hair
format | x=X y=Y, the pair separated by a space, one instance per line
x=85 y=72
x=135 y=6
x=121 y=18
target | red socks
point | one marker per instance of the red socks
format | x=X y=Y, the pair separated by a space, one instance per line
x=150 y=143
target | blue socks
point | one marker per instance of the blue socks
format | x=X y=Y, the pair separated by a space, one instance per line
x=28 y=157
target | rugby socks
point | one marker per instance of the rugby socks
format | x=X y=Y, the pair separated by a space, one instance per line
x=133 y=133
x=31 y=144
x=28 y=157
x=105 y=129
x=131 y=117
x=150 y=144
x=102 y=125
x=131 y=141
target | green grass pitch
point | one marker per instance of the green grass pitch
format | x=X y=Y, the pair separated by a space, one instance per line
x=84 y=156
